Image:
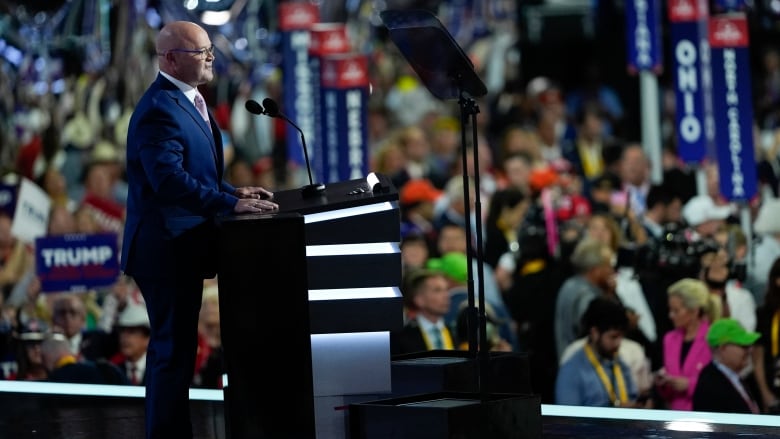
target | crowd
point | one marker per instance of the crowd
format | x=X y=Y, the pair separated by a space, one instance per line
x=621 y=291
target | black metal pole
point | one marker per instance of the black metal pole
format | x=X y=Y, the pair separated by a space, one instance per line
x=477 y=316
x=472 y=318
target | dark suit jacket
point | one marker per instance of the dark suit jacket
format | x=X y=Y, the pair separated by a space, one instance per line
x=407 y=340
x=88 y=372
x=174 y=171
x=122 y=367
x=715 y=393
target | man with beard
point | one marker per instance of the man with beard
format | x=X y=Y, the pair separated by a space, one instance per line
x=595 y=375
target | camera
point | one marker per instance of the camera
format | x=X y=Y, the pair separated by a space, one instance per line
x=675 y=253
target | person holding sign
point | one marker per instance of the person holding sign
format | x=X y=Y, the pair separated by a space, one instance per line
x=175 y=190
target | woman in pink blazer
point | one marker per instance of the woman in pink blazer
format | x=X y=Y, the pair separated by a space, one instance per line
x=685 y=349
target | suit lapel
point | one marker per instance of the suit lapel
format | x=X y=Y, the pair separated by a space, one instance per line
x=186 y=105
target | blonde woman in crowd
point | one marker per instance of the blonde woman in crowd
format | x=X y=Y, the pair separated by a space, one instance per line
x=685 y=350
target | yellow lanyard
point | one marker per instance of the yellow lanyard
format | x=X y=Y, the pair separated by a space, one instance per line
x=775 y=327
x=445 y=338
x=621 y=382
x=591 y=161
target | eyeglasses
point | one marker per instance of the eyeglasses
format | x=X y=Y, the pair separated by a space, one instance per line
x=203 y=53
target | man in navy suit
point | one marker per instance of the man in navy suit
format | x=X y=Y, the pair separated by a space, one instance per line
x=176 y=189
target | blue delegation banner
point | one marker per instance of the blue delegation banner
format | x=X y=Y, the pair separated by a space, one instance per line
x=344 y=115
x=295 y=21
x=690 y=55
x=643 y=35
x=733 y=106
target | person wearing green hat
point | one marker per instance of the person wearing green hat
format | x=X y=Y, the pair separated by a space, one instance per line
x=720 y=387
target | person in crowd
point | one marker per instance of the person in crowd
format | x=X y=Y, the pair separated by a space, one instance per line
x=427 y=293
x=209 y=363
x=602 y=191
x=505 y=214
x=419 y=162
x=61 y=221
x=519 y=139
x=531 y=300
x=451 y=206
x=634 y=172
x=595 y=375
x=69 y=318
x=704 y=217
x=417 y=199
x=452 y=249
x=585 y=152
x=454 y=265
x=415 y=250
x=633 y=355
x=593 y=262
x=64 y=367
x=720 y=271
x=16 y=256
x=175 y=176
x=603 y=227
x=766 y=353
x=660 y=200
x=495 y=342
x=515 y=172
x=720 y=387
x=685 y=352
x=123 y=292
x=767 y=250
x=29 y=360
x=133 y=334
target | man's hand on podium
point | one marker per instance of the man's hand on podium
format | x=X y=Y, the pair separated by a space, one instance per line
x=255 y=192
x=253 y=199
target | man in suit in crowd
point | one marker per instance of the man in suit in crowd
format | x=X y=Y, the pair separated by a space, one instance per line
x=69 y=318
x=175 y=170
x=720 y=387
x=427 y=295
x=132 y=329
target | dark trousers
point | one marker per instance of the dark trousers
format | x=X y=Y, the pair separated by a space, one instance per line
x=173 y=303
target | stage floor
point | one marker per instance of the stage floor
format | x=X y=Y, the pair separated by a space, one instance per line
x=57 y=411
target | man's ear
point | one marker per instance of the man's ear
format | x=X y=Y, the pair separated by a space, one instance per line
x=593 y=334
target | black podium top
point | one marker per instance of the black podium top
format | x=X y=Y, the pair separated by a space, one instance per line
x=338 y=195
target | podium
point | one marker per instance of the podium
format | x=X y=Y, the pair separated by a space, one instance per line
x=308 y=296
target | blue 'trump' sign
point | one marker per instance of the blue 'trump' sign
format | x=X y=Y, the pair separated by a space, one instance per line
x=76 y=262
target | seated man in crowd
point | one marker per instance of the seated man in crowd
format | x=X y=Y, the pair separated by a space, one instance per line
x=428 y=301
x=595 y=375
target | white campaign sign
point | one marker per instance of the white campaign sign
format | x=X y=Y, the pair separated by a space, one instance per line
x=31 y=216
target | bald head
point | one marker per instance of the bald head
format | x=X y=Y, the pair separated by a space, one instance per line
x=177 y=45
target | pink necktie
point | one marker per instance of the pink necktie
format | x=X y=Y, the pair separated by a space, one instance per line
x=200 y=104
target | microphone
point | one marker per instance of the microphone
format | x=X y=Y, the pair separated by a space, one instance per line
x=254 y=107
x=271 y=109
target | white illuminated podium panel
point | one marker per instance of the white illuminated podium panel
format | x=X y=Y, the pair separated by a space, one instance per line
x=350 y=262
x=353 y=257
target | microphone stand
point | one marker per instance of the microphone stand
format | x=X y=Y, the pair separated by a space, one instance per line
x=312 y=189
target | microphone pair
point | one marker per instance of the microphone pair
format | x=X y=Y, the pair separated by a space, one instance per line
x=269 y=107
